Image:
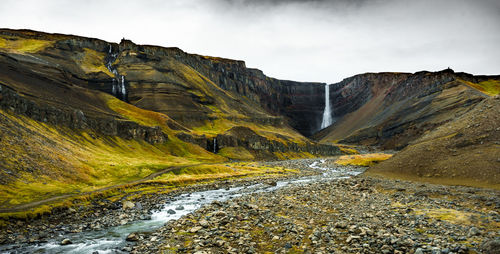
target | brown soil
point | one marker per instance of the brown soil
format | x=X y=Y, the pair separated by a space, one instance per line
x=465 y=151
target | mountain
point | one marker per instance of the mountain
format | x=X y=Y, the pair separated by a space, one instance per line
x=390 y=110
x=464 y=151
x=79 y=113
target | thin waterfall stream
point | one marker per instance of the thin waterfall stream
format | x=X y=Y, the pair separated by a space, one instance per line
x=118 y=88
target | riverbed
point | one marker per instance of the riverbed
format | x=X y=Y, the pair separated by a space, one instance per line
x=113 y=239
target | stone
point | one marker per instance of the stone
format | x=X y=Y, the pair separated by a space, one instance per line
x=203 y=223
x=170 y=211
x=138 y=206
x=180 y=207
x=473 y=231
x=66 y=241
x=132 y=237
x=127 y=205
x=352 y=237
x=195 y=229
x=419 y=251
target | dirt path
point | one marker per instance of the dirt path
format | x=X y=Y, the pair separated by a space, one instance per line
x=30 y=205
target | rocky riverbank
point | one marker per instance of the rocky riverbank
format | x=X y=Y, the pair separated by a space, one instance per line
x=357 y=215
x=106 y=211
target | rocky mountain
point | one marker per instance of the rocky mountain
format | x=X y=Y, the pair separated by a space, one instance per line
x=391 y=110
x=79 y=113
x=199 y=96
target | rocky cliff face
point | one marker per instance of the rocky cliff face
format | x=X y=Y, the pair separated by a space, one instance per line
x=393 y=109
x=59 y=79
x=210 y=95
x=301 y=102
x=77 y=120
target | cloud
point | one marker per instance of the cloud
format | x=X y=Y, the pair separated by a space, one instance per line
x=315 y=40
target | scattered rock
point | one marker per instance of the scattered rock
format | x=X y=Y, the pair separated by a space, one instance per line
x=66 y=241
x=195 y=229
x=203 y=223
x=491 y=247
x=473 y=231
x=127 y=205
x=132 y=237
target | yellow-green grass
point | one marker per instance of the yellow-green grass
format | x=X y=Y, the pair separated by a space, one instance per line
x=222 y=110
x=206 y=172
x=364 y=160
x=151 y=118
x=93 y=61
x=165 y=183
x=236 y=153
x=70 y=162
x=457 y=217
x=290 y=155
x=138 y=115
x=20 y=45
x=490 y=87
x=221 y=125
x=347 y=149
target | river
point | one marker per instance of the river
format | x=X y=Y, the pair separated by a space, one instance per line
x=112 y=240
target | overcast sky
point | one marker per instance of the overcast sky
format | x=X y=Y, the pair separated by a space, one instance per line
x=315 y=40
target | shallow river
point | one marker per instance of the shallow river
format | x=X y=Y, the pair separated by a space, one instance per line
x=112 y=240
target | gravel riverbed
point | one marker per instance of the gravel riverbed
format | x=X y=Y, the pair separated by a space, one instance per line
x=318 y=215
x=357 y=215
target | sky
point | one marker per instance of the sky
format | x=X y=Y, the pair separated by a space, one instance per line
x=312 y=40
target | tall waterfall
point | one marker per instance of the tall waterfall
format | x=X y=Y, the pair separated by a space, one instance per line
x=327 y=113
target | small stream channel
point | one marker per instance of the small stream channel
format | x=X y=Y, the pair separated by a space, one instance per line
x=112 y=240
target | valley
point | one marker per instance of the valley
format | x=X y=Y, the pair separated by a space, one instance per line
x=102 y=143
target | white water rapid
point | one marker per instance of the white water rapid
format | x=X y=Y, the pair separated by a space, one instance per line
x=327 y=113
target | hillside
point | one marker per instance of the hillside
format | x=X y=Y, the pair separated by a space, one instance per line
x=78 y=114
x=390 y=110
x=464 y=151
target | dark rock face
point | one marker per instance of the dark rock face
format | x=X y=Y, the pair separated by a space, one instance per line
x=393 y=109
x=76 y=119
x=261 y=147
x=155 y=79
x=301 y=102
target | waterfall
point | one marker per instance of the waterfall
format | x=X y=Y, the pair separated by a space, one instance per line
x=124 y=90
x=118 y=88
x=327 y=113
x=113 y=86
x=215 y=145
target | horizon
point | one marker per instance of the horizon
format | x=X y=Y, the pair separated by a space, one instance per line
x=280 y=37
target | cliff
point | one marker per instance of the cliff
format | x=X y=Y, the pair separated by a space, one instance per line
x=391 y=110
x=63 y=79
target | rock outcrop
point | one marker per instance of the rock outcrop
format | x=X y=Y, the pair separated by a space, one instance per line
x=77 y=120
